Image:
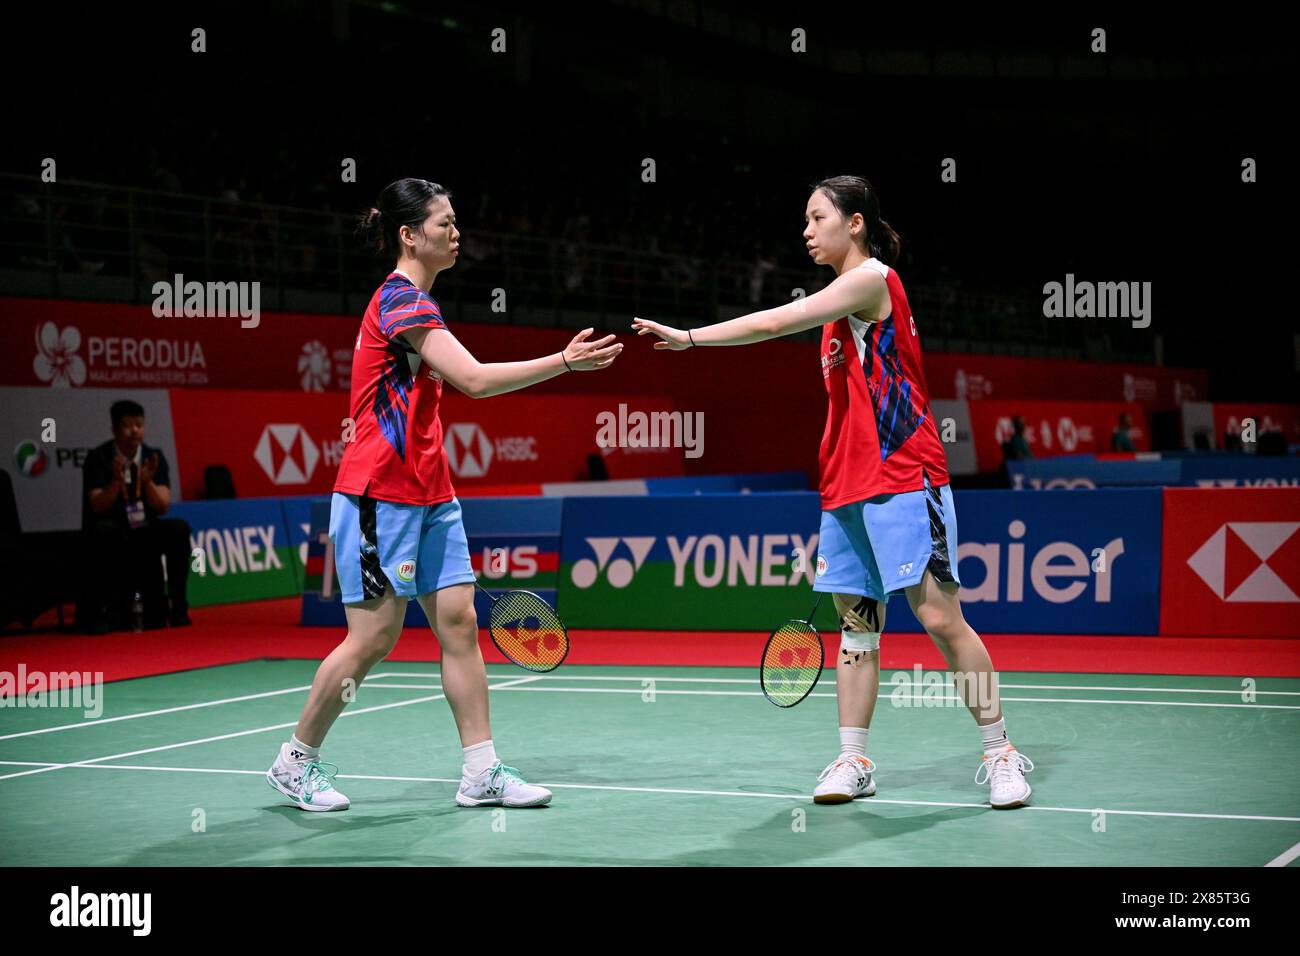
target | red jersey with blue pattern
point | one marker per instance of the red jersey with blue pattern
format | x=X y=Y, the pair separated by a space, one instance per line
x=396 y=453
x=880 y=434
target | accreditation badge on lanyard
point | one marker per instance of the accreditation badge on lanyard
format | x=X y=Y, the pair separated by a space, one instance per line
x=135 y=517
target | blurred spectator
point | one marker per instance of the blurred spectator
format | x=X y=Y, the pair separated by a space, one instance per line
x=126 y=491
x=1120 y=439
x=1016 y=448
x=1232 y=439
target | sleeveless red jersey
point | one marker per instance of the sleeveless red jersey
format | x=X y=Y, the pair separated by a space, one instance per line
x=396 y=453
x=880 y=433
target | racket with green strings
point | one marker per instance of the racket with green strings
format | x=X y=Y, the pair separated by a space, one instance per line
x=792 y=661
x=527 y=630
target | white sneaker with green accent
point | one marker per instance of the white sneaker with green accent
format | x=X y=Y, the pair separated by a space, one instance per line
x=1005 y=773
x=845 y=779
x=310 y=784
x=499 y=786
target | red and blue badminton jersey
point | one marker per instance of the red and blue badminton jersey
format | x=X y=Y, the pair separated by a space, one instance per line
x=396 y=453
x=880 y=435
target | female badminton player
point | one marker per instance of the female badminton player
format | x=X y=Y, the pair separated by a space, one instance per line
x=394 y=519
x=888 y=522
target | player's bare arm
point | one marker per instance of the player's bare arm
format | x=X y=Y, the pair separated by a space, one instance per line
x=444 y=353
x=856 y=291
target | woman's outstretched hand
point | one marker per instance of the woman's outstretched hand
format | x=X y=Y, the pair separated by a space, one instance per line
x=583 y=356
x=674 y=339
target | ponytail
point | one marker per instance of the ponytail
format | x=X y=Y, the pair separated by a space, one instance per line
x=404 y=202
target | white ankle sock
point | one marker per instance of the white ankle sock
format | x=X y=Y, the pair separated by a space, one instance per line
x=479 y=757
x=853 y=741
x=995 y=736
x=300 y=752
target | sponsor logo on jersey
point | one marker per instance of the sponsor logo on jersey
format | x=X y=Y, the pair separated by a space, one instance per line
x=833 y=357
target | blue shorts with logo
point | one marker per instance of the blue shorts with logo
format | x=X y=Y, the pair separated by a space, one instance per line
x=882 y=545
x=414 y=549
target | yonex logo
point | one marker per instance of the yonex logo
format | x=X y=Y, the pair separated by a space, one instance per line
x=620 y=571
x=905 y=569
x=1234 y=561
x=287 y=454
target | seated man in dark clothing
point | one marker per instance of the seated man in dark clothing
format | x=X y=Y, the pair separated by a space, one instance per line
x=126 y=491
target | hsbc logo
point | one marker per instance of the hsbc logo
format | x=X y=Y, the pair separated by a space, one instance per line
x=470 y=452
x=287 y=454
x=1234 y=562
x=1067 y=435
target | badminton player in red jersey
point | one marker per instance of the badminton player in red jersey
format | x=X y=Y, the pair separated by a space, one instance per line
x=394 y=519
x=888 y=522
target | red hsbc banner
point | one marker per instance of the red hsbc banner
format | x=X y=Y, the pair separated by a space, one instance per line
x=1231 y=562
x=1229 y=416
x=285 y=443
x=1052 y=428
x=957 y=375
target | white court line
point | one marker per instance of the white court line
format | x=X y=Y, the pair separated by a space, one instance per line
x=567 y=677
x=918 y=700
x=239 y=733
x=754 y=682
x=172 y=710
x=682 y=791
x=1286 y=857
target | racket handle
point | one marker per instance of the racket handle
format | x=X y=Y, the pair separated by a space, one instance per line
x=816 y=605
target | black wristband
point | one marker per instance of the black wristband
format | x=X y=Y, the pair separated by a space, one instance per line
x=566 y=362
x=691 y=337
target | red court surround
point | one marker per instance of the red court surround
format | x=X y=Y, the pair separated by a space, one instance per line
x=240 y=632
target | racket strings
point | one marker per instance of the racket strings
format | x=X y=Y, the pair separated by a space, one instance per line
x=792 y=663
x=528 y=631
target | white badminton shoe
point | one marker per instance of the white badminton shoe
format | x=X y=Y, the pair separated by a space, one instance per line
x=499 y=786
x=846 y=778
x=1005 y=774
x=309 y=783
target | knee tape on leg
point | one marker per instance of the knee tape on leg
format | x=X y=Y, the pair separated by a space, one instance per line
x=855 y=644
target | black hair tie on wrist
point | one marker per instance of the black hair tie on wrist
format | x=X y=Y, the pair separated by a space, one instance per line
x=691 y=337
x=566 y=362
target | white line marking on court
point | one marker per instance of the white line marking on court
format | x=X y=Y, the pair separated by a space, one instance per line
x=682 y=791
x=754 y=682
x=240 y=733
x=917 y=700
x=1286 y=857
x=172 y=710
